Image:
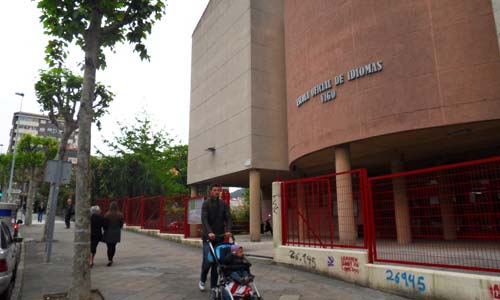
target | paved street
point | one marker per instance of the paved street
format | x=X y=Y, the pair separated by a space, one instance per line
x=154 y=269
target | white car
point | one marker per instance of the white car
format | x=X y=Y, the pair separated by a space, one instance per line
x=10 y=251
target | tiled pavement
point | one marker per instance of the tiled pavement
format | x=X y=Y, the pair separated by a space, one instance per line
x=154 y=269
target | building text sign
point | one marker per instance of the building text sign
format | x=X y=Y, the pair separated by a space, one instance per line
x=325 y=88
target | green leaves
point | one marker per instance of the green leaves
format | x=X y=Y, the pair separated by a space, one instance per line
x=68 y=21
x=59 y=91
x=146 y=163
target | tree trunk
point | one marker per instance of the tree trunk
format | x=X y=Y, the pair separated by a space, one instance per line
x=29 y=202
x=81 y=283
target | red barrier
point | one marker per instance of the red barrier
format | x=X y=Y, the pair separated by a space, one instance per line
x=133 y=211
x=325 y=211
x=151 y=212
x=172 y=214
x=447 y=216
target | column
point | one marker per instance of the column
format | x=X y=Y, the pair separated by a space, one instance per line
x=345 y=204
x=401 y=208
x=303 y=230
x=255 y=205
x=448 y=214
x=194 y=229
x=276 y=209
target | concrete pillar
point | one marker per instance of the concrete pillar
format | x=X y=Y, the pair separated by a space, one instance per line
x=401 y=209
x=255 y=205
x=194 y=229
x=277 y=222
x=345 y=204
x=302 y=229
x=448 y=214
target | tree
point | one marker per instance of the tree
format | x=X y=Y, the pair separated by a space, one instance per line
x=145 y=163
x=59 y=91
x=93 y=25
x=33 y=153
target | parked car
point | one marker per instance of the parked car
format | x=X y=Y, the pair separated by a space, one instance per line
x=10 y=252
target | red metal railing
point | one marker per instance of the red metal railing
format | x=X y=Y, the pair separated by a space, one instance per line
x=133 y=208
x=448 y=216
x=325 y=211
x=151 y=212
x=172 y=214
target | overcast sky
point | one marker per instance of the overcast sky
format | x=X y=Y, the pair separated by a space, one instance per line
x=160 y=87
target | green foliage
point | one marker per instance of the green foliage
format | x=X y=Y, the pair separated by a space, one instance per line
x=33 y=152
x=145 y=163
x=117 y=21
x=59 y=92
x=242 y=213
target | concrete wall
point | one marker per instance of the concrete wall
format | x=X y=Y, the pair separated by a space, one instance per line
x=237 y=90
x=220 y=113
x=269 y=128
x=441 y=67
x=496 y=13
x=415 y=283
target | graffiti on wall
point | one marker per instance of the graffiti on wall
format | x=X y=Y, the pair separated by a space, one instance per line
x=350 y=264
x=307 y=260
x=276 y=206
x=331 y=261
x=407 y=280
x=495 y=292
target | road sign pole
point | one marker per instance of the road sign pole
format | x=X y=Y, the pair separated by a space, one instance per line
x=54 y=186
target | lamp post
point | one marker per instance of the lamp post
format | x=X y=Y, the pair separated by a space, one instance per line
x=14 y=154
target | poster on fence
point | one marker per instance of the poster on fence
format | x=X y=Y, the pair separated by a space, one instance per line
x=194 y=210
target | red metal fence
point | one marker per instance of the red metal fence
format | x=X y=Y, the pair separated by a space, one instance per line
x=447 y=216
x=172 y=215
x=313 y=216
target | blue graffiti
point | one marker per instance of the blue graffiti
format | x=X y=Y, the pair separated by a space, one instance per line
x=409 y=279
x=331 y=261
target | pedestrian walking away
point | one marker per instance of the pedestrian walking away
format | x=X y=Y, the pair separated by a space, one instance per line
x=96 y=226
x=113 y=224
x=41 y=211
x=70 y=211
x=216 y=221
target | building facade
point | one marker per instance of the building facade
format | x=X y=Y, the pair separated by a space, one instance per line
x=40 y=125
x=302 y=88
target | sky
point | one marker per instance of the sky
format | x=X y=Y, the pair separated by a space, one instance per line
x=160 y=87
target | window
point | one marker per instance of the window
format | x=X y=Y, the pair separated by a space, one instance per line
x=42 y=129
x=43 y=121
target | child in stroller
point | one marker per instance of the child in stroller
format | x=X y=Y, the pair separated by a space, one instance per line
x=234 y=278
x=237 y=267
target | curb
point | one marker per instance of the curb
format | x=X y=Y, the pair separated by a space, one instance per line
x=178 y=238
x=18 y=286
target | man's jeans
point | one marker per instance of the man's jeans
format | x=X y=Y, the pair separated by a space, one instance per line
x=206 y=266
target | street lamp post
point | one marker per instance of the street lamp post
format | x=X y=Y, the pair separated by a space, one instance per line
x=14 y=154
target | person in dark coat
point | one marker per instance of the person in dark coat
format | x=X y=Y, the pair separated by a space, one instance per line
x=113 y=223
x=70 y=211
x=96 y=225
x=41 y=211
x=216 y=221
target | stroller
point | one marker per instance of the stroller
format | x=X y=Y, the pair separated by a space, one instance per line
x=227 y=289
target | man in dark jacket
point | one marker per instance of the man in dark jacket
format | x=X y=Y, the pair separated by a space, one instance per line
x=216 y=221
x=70 y=211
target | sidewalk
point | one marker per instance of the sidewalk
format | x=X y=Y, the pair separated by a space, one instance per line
x=155 y=269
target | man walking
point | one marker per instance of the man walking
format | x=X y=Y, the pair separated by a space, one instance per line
x=70 y=211
x=216 y=221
